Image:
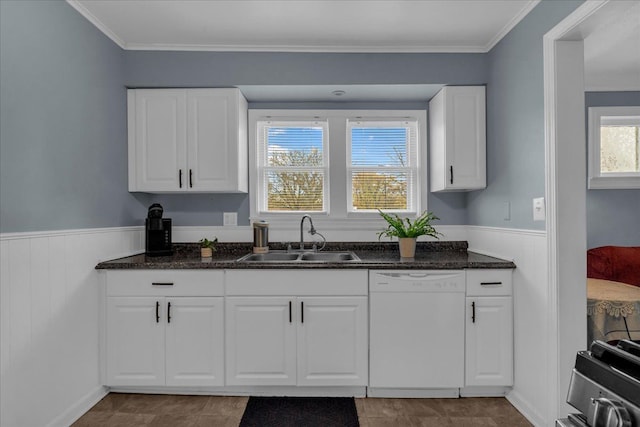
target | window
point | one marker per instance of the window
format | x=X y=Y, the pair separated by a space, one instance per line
x=338 y=165
x=292 y=164
x=382 y=166
x=614 y=147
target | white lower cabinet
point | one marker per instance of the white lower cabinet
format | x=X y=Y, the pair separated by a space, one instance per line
x=489 y=329
x=260 y=344
x=135 y=341
x=302 y=340
x=156 y=338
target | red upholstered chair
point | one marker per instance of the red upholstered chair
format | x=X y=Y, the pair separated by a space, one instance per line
x=617 y=263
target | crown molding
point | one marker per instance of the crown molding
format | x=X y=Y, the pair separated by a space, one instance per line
x=95 y=21
x=510 y=25
x=305 y=48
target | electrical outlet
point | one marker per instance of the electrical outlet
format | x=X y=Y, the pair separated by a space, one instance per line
x=539 y=209
x=506 y=211
x=230 y=218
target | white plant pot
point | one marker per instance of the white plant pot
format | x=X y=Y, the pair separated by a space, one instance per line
x=407 y=247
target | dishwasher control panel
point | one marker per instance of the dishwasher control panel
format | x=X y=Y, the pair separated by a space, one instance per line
x=417 y=281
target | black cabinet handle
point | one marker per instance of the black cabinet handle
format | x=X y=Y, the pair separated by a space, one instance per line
x=490 y=283
x=180 y=178
x=302 y=311
x=157 y=311
x=451 y=170
x=473 y=312
x=290 y=317
x=161 y=283
x=190 y=178
x=169 y=312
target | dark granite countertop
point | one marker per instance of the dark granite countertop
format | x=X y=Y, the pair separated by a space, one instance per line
x=376 y=255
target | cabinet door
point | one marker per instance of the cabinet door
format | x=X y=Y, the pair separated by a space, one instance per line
x=260 y=341
x=135 y=341
x=157 y=131
x=489 y=341
x=332 y=341
x=465 y=137
x=212 y=135
x=194 y=341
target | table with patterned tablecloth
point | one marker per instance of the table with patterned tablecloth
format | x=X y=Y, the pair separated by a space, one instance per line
x=613 y=311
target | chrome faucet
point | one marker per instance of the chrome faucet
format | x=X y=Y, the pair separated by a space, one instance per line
x=312 y=230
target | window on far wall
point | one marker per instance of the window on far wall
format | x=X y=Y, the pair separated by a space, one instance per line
x=338 y=165
x=292 y=163
x=382 y=166
x=614 y=147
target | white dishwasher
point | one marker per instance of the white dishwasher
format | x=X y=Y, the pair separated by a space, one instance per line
x=417 y=329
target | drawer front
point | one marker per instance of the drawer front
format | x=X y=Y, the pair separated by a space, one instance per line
x=489 y=282
x=296 y=282
x=165 y=283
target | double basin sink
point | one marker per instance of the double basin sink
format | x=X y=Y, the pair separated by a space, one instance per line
x=300 y=257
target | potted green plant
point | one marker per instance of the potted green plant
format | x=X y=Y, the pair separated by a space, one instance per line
x=407 y=230
x=208 y=247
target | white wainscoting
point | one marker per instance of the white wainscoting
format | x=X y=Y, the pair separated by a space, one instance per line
x=528 y=250
x=49 y=312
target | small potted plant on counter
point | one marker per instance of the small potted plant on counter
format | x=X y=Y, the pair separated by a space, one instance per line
x=208 y=247
x=407 y=231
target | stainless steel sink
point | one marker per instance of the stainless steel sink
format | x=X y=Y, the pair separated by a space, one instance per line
x=301 y=257
x=329 y=256
x=270 y=257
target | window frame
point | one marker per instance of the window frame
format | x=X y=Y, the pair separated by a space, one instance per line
x=263 y=168
x=608 y=180
x=411 y=170
x=337 y=216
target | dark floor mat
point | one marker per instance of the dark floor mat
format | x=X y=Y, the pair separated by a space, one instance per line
x=300 y=412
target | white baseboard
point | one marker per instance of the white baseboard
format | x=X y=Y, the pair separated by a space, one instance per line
x=73 y=413
x=354 y=391
x=525 y=409
x=413 y=393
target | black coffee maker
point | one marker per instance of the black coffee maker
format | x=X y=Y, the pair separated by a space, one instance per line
x=157 y=232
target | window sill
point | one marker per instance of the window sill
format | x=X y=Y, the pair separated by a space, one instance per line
x=614 y=182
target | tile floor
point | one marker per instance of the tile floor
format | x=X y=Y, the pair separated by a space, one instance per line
x=118 y=409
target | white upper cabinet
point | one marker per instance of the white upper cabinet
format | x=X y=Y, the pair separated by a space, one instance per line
x=187 y=140
x=457 y=137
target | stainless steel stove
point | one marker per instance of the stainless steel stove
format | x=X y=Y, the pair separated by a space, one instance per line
x=605 y=387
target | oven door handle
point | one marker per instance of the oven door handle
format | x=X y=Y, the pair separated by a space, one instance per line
x=608 y=413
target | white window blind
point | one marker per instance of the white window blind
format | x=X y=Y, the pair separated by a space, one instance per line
x=382 y=163
x=292 y=159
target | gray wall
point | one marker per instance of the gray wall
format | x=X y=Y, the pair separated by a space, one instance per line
x=515 y=122
x=63 y=116
x=63 y=146
x=219 y=69
x=612 y=215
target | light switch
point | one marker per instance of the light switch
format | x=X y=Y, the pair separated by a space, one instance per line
x=230 y=218
x=539 y=209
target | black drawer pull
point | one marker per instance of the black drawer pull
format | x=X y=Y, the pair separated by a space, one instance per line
x=157 y=311
x=169 y=312
x=490 y=283
x=473 y=312
x=180 y=178
x=190 y=178
x=162 y=284
x=302 y=311
x=290 y=318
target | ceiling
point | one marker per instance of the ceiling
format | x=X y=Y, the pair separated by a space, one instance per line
x=306 y=26
x=611 y=36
